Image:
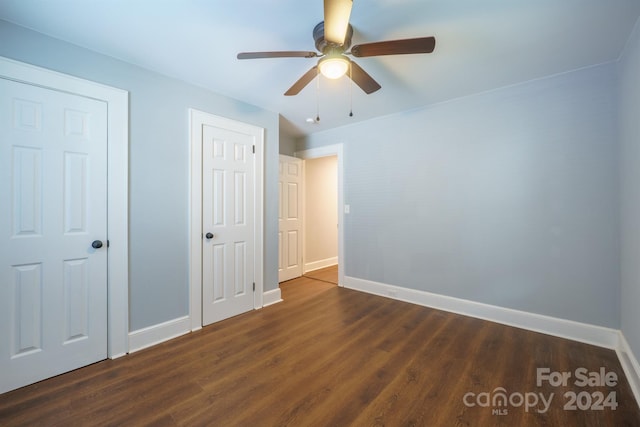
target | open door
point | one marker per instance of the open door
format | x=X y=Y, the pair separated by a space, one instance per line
x=290 y=219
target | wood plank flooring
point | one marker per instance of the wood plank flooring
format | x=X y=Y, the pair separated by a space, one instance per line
x=327 y=274
x=329 y=356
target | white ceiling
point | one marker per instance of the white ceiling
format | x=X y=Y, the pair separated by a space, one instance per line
x=480 y=45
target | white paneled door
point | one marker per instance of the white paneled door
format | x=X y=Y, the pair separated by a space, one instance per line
x=290 y=219
x=228 y=223
x=53 y=228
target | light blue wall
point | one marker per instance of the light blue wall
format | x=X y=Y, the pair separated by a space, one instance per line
x=158 y=167
x=630 y=188
x=508 y=197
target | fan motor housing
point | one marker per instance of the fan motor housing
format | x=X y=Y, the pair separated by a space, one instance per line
x=324 y=46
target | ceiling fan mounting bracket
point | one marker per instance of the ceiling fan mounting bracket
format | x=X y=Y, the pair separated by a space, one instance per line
x=327 y=47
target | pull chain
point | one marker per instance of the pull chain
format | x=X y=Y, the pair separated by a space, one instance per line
x=350 y=90
x=318 y=96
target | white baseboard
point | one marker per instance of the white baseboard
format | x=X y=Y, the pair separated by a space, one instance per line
x=152 y=335
x=317 y=265
x=590 y=334
x=117 y=356
x=630 y=365
x=271 y=297
x=156 y=334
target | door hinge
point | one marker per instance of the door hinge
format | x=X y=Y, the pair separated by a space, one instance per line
x=253 y=149
x=254 y=286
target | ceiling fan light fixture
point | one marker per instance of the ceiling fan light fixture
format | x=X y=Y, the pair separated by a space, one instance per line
x=334 y=67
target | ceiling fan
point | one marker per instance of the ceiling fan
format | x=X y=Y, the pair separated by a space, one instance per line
x=333 y=39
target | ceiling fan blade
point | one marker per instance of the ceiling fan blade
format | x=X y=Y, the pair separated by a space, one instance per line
x=362 y=79
x=278 y=54
x=336 y=20
x=302 y=82
x=395 y=47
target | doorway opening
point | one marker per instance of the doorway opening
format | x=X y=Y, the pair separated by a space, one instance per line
x=315 y=263
x=320 y=236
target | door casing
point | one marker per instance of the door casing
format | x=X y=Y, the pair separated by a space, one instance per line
x=196 y=120
x=117 y=185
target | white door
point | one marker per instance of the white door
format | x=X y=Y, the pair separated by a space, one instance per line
x=290 y=219
x=228 y=227
x=53 y=198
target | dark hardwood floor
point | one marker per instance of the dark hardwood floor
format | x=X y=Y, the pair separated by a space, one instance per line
x=329 y=356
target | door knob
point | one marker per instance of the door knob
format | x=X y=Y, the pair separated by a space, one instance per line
x=96 y=244
x=209 y=235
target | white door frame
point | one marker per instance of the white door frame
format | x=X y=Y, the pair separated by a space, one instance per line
x=117 y=185
x=196 y=120
x=325 y=151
